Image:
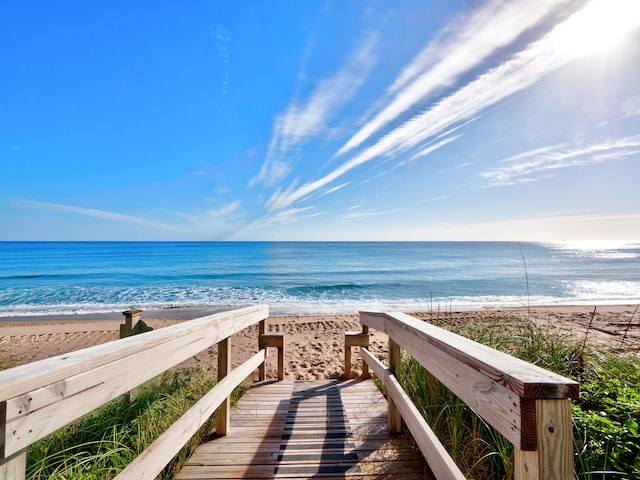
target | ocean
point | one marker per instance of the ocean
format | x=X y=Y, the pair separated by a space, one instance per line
x=54 y=278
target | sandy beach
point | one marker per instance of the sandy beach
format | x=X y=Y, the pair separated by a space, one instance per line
x=314 y=342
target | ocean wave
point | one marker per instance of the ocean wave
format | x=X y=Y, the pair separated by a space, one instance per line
x=609 y=290
x=283 y=303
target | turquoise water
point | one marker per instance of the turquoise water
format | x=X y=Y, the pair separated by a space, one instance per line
x=42 y=278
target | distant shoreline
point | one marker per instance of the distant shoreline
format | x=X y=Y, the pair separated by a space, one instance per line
x=170 y=312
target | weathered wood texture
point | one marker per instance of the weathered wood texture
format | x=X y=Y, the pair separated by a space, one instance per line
x=154 y=458
x=530 y=406
x=41 y=397
x=438 y=458
x=305 y=429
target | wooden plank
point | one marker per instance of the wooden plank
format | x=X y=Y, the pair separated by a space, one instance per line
x=154 y=458
x=252 y=446
x=523 y=378
x=275 y=340
x=294 y=438
x=489 y=397
x=395 y=470
x=437 y=456
x=24 y=378
x=33 y=415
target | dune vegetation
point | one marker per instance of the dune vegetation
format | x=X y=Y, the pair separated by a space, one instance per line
x=605 y=417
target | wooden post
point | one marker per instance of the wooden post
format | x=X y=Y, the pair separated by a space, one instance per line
x=365 y=365
x=281 y=360
x=262 y=367
x=275 y=340
x=222 y=413
x=355 y=339
x=347 y=358
x=395 y=420
x=553 y=458
x=133 y=325
x=14 y=467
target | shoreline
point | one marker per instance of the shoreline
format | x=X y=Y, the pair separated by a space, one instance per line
x=201 y=311
x=315 y=341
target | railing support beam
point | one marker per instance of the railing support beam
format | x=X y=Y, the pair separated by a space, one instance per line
x=394 y=417
x=262 y=368
x=14 y=467
x=553 y=459
x=223 y=411
x=355 y=339
x=275 y=340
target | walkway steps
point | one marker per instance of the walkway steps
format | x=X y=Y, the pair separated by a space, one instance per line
x=308 y=429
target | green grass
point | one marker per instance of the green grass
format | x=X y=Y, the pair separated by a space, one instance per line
x=606 y=417
x=103 y=443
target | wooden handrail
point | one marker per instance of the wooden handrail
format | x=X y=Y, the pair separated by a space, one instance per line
x=529 y=405
x=38 y=398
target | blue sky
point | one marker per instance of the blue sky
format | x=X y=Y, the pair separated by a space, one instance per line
x=320 y=120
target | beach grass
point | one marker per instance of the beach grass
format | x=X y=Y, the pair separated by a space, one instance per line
x=103 y=443
x=605 y=417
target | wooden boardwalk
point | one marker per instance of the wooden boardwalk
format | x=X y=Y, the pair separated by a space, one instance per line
x=308 y=429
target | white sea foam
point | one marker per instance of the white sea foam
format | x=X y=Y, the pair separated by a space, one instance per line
x=305 y=278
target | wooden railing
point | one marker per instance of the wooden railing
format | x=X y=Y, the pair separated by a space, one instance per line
x=530 y=406
x=38 y=398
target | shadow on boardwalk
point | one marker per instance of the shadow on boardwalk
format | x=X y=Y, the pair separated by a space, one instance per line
x=308 y=429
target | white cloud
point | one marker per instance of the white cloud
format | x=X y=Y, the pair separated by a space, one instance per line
x=335 y=189
x=213 y=218
x=463 y=45
x=290 y=216
x=436 y=199
x=526 y=167
x=91 y=212
x=514 y=75
x=430 y=148
x=306 y=119
x=356 y=213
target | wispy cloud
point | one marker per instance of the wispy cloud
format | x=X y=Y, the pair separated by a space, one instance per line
x=90 y=212
x=356 y=213
x=435 y=199
x=306 y=119
x=430 y=148
x=514 y=75
x=291 y=215
x=462 y=46
x=212 y=219
x=335 y=189
x=527 y=166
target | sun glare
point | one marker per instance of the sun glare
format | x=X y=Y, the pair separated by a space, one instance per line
x=598 y=26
